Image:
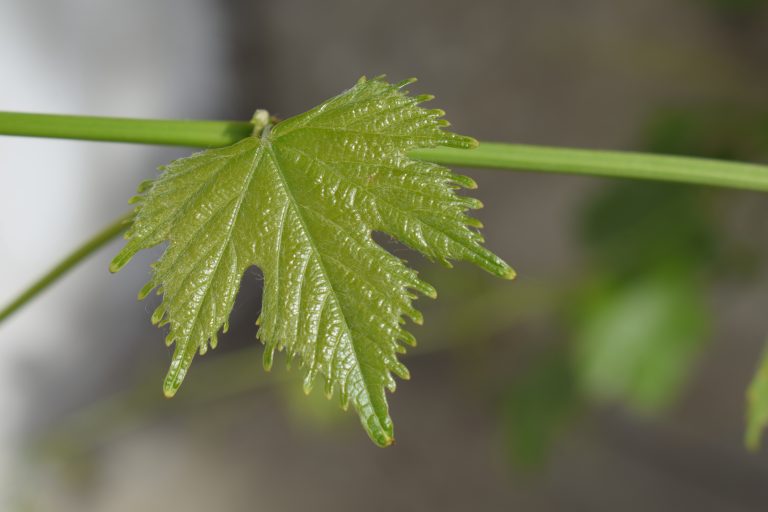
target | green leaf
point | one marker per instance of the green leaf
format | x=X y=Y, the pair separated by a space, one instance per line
x=642 y=319
x=757 y=404
x=631 y=228
x=300 y=201
x=537 y=407
x=637 y=341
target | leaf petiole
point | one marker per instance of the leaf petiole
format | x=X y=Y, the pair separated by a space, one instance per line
x=98 y=241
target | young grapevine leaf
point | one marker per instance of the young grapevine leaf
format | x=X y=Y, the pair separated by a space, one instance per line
x=300 y=201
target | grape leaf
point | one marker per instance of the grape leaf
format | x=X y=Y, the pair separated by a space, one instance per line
x=300 y=201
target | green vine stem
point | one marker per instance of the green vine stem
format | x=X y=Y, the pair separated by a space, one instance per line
x=117 y=129
x=614 y=164
x=609 y=164
x=191 y=133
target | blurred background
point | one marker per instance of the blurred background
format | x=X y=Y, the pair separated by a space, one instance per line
x=609 y=376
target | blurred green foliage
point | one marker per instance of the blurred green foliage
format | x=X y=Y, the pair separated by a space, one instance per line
x=642 y=315
x=757 y=404
x=639 y=316
x=737 y=6
x=634 y=227
x=635 y=340
x=730 y=132
x=538 y=406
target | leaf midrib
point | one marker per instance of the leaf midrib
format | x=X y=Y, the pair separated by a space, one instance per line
x=267 y=146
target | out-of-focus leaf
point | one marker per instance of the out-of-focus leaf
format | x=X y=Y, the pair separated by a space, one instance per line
x=757 y=404
x=723 y=132
x=634 y=226
x=719 y=131
x=636 y=340
x=642 y=319
x=537 y=406
x=737 y=6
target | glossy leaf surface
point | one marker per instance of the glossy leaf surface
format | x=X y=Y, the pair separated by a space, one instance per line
x=300 y=201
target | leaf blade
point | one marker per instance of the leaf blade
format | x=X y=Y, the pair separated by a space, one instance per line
x=301 y=202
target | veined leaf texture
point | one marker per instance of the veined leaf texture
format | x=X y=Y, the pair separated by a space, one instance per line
x=300 y=201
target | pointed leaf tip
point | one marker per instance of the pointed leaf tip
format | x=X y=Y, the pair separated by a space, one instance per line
x=381 y=435
x=460 y=142
x=169 y=391
x=404 y=83
x=464 y=181
x=146 y=290
x=118 y=263
x=173 y=379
